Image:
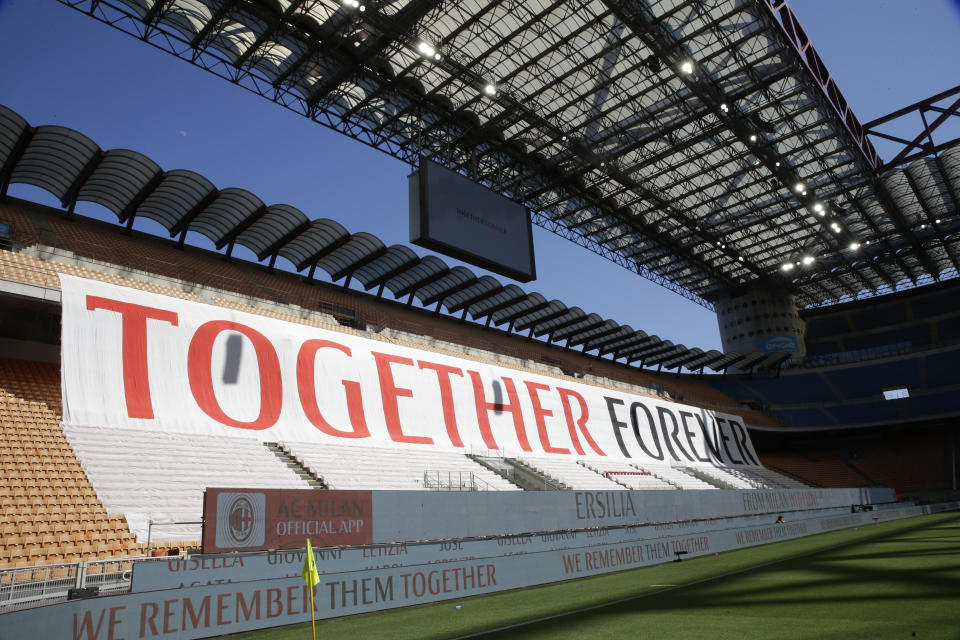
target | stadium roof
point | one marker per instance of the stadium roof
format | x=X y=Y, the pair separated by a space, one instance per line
x=701 y=144
x=73 y=168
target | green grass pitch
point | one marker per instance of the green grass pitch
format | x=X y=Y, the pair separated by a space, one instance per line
x=891 y=580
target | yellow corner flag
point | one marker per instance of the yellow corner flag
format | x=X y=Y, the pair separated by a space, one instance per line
x=312 y=578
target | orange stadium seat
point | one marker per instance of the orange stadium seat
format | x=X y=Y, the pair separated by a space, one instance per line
x=38 y=470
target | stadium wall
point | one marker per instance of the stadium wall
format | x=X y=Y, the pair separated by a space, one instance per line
x=212 y=610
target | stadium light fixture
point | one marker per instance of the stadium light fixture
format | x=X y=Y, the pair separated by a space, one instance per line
x=777 y=163
x=753 y=137
x=724 y=107
x=854 y=246
x=426 y=49
x=807 y=260
x=687 y=67
x=787 y=266
x=937 y=220
x=798 y=187
x=836 y=227
x=490 y=89
x=818 y=207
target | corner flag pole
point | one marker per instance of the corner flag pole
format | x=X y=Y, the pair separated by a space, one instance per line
x=311 y=577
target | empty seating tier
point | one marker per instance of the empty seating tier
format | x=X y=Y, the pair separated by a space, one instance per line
x=571 y=473
x=160 y=477
x=363 y=467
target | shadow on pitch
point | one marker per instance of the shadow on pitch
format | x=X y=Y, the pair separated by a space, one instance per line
x=816 y=579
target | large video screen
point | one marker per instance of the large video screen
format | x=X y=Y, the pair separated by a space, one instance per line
x=457 y=217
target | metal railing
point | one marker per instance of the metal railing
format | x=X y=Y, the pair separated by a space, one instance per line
x=31 y=586
x=454 y=481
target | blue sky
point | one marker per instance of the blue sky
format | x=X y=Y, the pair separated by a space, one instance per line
x=64 y=68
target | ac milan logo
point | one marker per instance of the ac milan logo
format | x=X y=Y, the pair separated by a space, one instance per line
x=241 y=519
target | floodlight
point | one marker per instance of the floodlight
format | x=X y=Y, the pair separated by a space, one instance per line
x=787 y=266
x=854 y=246
x=798 y=187
x=687 y=67
x=490 y=89
x=807 y=259
x=426 y=49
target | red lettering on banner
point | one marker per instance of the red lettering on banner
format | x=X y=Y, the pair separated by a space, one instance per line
x=145 y=619
x=136 y=378
x=199 y=369
x=539 y=413
x=194 y=615
x=483 y=407
x=168 y=615
x=85 y=628
x=581 y=422
x=446 y=397
x=247 y=612
x=274 y=599
x=292 y=598
x=307 y=388
x=389 y=393
x=221 y=608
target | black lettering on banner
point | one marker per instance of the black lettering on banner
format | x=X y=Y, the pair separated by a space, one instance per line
x=690 y=433
x=713 y=447
x=724 y=438
x=664 y=411
x=740 y=436
x=653 y=430
x=617 y=425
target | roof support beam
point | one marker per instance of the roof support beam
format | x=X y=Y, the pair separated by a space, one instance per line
x=130 y=211
x=566 y=323
x=533 y=323
x=318 y=255
x=348 y=270
x=467 y=302
x=578 y=339
x=569 y=331
x=384 y=278
x=16 y=154
x=511 y=317
x=183 y=224
x=248 y=222
x=282 y=241
x=69 y=200
x=440 y=295
x=506 y=304
x=414 y=286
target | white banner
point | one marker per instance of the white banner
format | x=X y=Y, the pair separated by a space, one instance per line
x=193 y=571
x=144 y=361
x=213 y=610
x=445 y=515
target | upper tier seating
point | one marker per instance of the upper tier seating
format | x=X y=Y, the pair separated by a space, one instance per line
x=570 y=473
x=160 y=476
x=343 y=466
